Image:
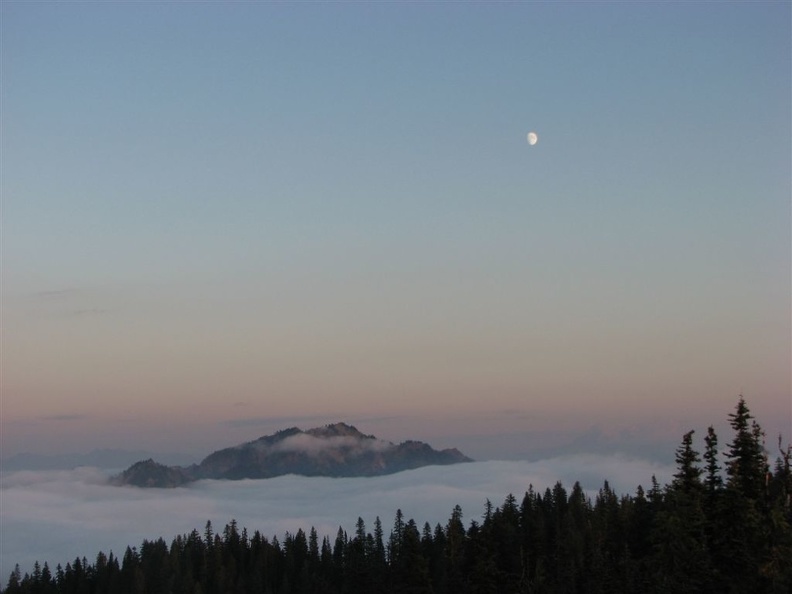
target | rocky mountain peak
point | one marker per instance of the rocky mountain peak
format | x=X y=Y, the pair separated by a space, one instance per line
x=338 y=450
x=338 y=430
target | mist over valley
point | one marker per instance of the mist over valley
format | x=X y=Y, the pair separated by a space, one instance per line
x=57 y=515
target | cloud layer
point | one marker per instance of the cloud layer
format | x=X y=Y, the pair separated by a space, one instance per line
x=313 y=446
x=55 y=516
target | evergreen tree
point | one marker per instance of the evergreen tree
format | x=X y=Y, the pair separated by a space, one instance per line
x=396 y=537
x=438 y=563
x=482 y=546
x=410 y=569
x=735 y=527
x=358 y=573
x=14 y=581
x=687 y=477
x=747 y=466
x=455 y=551
x=713 y=481
x=682 y=562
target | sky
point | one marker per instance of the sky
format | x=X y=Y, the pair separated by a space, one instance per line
x=55 y=516
x=224 y=219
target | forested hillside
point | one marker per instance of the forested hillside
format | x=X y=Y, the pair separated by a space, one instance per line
x=723 y=524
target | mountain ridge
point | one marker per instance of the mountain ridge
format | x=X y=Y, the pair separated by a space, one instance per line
x=335 y=450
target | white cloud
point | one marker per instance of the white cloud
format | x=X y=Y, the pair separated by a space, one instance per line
x=311 y=445
x=55 y=516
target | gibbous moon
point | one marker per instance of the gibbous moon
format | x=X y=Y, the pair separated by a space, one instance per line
x=532 y=138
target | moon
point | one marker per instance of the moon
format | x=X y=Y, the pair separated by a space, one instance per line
x=532 y=138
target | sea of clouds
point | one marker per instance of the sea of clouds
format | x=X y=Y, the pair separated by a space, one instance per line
x=57 y=515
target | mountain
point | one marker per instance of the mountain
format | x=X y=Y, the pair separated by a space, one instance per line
x=337 y=450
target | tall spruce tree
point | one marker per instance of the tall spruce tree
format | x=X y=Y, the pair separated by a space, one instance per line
x=713 y=480
x=682 y=560
x=738 y=546
x=747 y=465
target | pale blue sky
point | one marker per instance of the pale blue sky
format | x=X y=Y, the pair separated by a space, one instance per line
x=331 y=209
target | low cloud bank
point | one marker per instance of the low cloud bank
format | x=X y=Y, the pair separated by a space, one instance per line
x=55 y=516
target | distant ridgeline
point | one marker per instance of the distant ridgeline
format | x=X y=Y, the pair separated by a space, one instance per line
x=337 y=450
x=707 y=531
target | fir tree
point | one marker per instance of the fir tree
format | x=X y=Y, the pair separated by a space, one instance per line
x=747 y=465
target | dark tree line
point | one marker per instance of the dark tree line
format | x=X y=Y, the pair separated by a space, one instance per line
x=711 y=529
